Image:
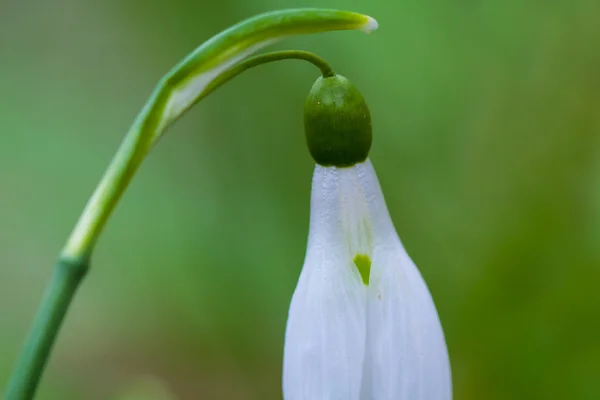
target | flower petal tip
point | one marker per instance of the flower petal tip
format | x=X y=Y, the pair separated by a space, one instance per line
x=370 y=25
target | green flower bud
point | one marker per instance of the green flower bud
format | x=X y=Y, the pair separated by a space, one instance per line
x=337 y=123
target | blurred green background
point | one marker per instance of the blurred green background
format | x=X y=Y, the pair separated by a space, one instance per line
x=486 y=140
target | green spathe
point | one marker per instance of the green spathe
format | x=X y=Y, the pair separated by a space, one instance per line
x=337 y=123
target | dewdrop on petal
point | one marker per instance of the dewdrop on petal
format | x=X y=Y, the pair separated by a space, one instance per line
x=362 y=324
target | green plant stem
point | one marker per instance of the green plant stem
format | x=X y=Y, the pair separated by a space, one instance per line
x=261 y=59
x=65 y=280
x=74 y=260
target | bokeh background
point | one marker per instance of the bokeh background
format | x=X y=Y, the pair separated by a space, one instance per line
x=486 y=140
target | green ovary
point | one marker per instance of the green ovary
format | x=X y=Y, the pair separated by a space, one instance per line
x=363 y=264
x=337 y=123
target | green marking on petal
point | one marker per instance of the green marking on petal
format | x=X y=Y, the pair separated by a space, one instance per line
x=363 y=263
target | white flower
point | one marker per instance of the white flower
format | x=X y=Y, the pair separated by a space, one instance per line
x=362 y=324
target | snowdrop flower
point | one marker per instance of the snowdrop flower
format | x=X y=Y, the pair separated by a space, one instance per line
x=362 y=324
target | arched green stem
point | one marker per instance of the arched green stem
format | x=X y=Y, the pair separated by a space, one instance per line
x=261 y=59
x=208 y=67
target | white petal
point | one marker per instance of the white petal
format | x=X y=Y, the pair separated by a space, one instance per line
x=406 y=356
x=325 y=337
x=348 y=340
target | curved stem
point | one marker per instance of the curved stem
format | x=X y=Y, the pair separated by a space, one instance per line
x=261 y=59
x=74 y=260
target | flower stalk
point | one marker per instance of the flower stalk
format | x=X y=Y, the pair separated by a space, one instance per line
x=211 y=65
